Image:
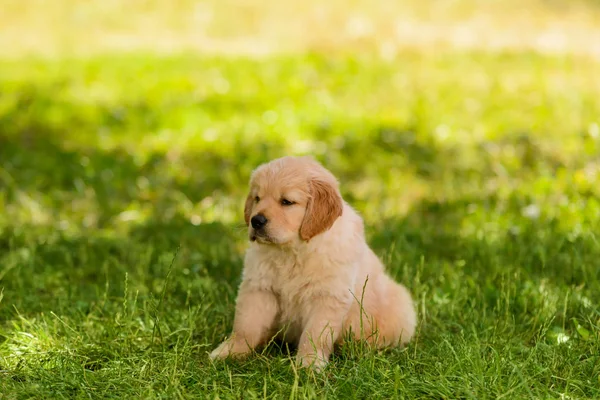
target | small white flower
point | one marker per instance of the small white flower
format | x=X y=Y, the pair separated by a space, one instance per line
x=562 y=338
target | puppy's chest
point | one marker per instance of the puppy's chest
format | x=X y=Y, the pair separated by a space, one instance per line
x=290 y=281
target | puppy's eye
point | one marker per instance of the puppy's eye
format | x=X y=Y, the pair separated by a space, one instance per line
x=257 y=199
x=286 y=202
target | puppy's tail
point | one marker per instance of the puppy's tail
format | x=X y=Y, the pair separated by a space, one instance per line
x=406 y=314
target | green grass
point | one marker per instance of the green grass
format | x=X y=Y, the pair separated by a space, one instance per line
x=121 y=238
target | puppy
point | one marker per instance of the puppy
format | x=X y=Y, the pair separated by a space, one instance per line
x=309 y=275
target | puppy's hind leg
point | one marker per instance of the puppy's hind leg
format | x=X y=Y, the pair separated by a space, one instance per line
x=255 y=314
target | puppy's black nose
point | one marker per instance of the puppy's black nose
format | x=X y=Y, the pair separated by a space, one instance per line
x=258 y=221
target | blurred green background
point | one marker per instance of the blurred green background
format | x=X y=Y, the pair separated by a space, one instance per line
x=466 y=132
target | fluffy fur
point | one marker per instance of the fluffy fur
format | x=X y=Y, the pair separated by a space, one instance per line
x=305 y=270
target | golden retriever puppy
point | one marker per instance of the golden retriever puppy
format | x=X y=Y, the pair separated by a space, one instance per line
x=309 y=275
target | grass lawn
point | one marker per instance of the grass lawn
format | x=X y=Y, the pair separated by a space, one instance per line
x=122 y=181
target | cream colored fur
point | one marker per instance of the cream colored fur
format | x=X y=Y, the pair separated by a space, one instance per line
x=304 y=275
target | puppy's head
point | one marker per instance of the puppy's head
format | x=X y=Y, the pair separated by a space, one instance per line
x=291 y=199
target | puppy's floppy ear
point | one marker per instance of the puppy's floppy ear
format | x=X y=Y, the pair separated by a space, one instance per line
x=248 y=208
x=324 y=207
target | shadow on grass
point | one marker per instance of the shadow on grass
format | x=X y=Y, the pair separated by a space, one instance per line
x=115 y=178
x=495 y=230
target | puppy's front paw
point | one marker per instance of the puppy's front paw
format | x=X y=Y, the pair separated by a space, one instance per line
x=314 y=361
x=222 y=351
x=231 y=347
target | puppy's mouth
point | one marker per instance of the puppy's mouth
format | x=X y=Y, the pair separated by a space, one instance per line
x=260 y=237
